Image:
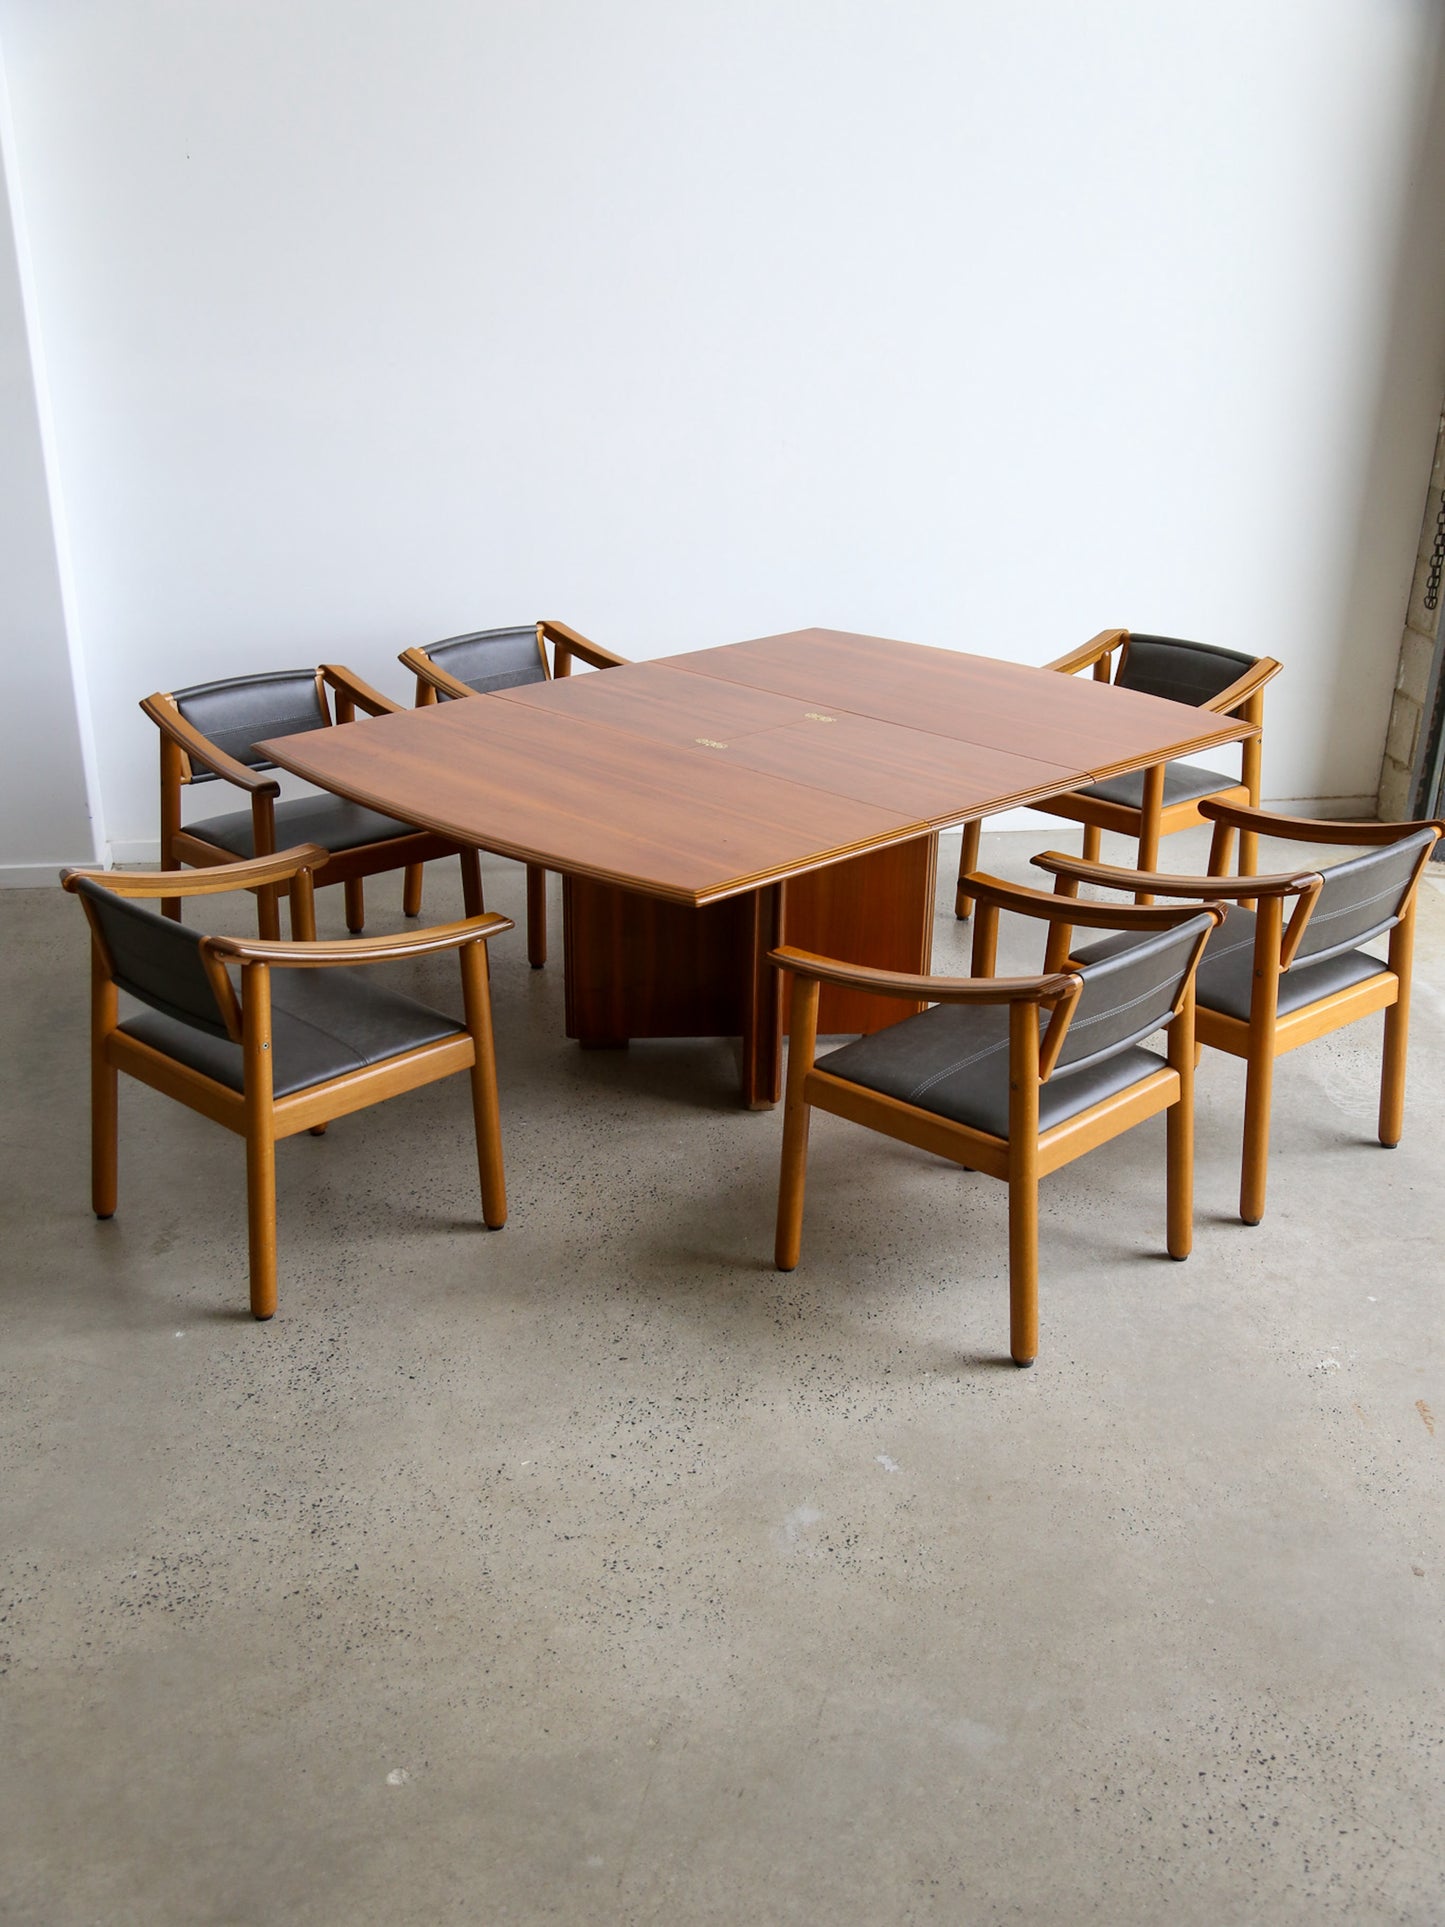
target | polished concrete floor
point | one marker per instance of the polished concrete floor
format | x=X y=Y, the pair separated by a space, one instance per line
x=593 y=1571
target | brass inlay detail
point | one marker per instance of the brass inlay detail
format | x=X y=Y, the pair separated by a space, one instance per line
x=708 y=743
x=813 y=716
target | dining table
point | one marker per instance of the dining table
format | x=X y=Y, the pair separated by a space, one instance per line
x=703 y=807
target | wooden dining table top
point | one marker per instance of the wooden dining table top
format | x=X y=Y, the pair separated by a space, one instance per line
x=702 y=775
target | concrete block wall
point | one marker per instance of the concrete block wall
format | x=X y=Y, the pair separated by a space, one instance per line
x=1398 y=772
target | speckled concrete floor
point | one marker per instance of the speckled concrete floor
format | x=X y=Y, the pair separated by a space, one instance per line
x=594 y=1571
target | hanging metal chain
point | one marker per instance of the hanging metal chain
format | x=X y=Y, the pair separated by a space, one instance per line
x=1437 y=559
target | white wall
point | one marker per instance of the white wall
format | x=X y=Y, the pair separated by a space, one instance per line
x=981 y=325
x=45 y=814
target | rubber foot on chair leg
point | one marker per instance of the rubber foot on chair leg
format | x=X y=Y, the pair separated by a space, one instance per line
x=263 y=1317
x=1023 y=1363
x=1251 y=1221
x=539 y=966
x=1389 y=1144
x=104 y=1217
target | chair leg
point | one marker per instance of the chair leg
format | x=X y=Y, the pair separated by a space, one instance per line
x=355 y=891
x=967 y=861
x=1023 y=1183
x=104 y=1091
x=268 y=914
x=1392 y=1077
x=536 y=915
x=792 y=1182
x=104 y=1136
x=1149 y=816
x=486 y=1111
x=257 y=1079
x=1397 y=1029
x=1023 y=1262
x=1258 y=1091
x=1179 y=1136
x=1093 y=839
x=472 y=900
x=411 y=891
x=261 y=1220
x=797 y=1115
x=171 y=765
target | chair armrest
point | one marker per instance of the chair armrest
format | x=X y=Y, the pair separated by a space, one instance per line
x=355 y=950
x=1110 y=876
x=354 y=692
x=200 y=749
x=1103 y=644
x=1056 y=909
x=1243 y=687
x=938 y=990
x=1305 y=829
x=566 y=641
x=421 y=664
x=211 y=881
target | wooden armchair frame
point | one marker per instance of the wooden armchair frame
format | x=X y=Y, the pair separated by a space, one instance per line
x=183 y=747
x=1104 y=656
x=254 y=1113
x=1268 y=1034
x=434 y=684
x=1025 y=1155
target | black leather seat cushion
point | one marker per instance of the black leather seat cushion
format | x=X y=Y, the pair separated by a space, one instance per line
x=306 y=819
x=324 y=1023
x=1225 y=978
x=953 y=1060
x=1183 y=783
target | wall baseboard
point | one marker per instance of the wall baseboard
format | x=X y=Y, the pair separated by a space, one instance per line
x=39 y=876
x=142 y=852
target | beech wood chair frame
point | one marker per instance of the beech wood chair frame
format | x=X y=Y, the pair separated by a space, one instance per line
x=434 y=684
x=254 y=1113
x=1269 y=1035
x=1104 y=655
x=1025 y=1155
x=183 y=746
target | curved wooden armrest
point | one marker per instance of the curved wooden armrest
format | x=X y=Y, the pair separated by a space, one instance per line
x=1097 y=916
x=938 y=990
x=1103 y=644
x=1307 y=829
x=566 y=641
x=211 y=881
x=421 y=664
x=1243 y=687
x=355 y=950
x=170 y=722
x=352 y=689
x=1156 y=883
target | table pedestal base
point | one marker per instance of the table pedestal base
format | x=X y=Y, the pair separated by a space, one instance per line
x=637 y=966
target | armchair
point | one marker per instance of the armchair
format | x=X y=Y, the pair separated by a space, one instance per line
x=209 y=732
x=487 y=660
x=1265 y=986
x=288 y=1053
x=1151 y=803
x=981 y=1080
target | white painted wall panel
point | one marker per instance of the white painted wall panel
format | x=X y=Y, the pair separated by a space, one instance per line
x=981 y=325
x=45 y=816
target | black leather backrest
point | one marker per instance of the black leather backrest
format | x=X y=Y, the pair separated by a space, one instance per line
x=1126 y=997
x=246 y=710
x=490 y=659
x=1184 y=672
x=1361 y=898
x=156 y=960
